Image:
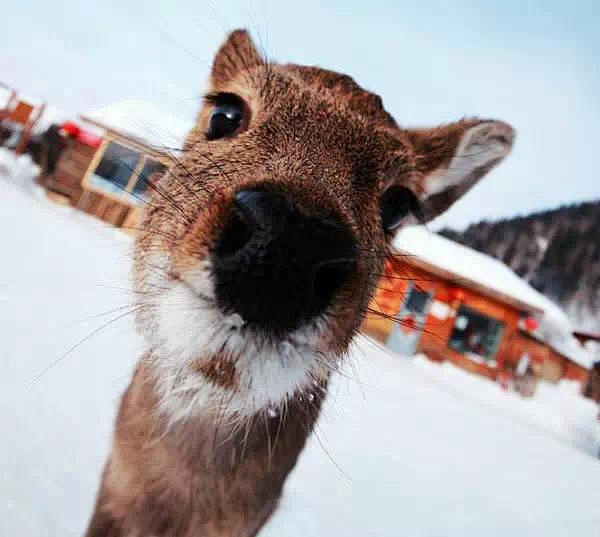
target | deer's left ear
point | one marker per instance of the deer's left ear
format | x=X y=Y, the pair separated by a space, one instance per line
x=237 y=54
x=452 y=158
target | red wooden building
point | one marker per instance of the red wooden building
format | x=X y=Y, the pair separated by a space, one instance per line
x=453 y=303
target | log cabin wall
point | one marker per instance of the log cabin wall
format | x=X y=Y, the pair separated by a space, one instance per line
x=401 y=276
x=556 y=366
x=70 y=169
x=522 y=343
x=389 y=296
x=576 y=372
x=440 y=321
x=71 y=180
x=553 y=368
x=99 y=205
x=120 y=209
x=436 y=336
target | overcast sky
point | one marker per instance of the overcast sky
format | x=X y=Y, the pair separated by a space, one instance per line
x=535 y=64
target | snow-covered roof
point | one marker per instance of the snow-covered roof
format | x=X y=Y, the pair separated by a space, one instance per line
x=143 y=121
x=466 y=265
x=556 y=330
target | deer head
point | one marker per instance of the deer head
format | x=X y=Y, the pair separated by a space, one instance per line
x=267 y=236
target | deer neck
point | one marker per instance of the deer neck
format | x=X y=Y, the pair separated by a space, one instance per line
x=212 y=474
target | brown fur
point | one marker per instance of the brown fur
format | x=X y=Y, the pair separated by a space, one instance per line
x=334 y=149
x=219 y=369
x=203 y=477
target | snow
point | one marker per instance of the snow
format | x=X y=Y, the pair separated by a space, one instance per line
x=404 y=447
x=20 y=171
x=473 y=266
x=142 y=121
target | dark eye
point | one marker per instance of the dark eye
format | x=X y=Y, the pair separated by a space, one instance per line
x=397 y=204
x=226 y=118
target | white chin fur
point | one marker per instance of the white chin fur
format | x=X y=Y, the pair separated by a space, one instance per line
x=191 y=329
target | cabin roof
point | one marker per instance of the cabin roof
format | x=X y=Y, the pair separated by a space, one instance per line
x=143 y=122
x=470 y=268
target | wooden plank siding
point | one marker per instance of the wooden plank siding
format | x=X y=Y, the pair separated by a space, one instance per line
x=117 y=209
x=548 y=363
x=390 y=295
x=573 y=371
x=70 y=169
x=107 y=209
x=78 y=162
x=523 y=343
x=76 y=165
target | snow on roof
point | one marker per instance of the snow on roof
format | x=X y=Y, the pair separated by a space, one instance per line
x=556 y=330
x=142 y=121
x=468 y=265
x=472 y=266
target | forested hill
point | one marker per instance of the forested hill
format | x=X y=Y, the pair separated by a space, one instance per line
x=556 y=251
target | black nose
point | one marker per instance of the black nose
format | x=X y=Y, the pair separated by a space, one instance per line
x=277 y=267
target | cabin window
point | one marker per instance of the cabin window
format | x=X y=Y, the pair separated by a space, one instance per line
x=115 y=169
x=476 y=335
x=417 y=301
x=126 y=172
x=150 y=174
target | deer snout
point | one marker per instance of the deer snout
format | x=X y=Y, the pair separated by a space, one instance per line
x=277 y=267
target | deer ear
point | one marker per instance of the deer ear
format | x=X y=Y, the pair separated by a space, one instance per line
x=237 y=54
x=452 y=158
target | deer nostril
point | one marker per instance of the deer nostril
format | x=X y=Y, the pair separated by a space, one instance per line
x=237 y=233
x=252 y=212
x=328 y=277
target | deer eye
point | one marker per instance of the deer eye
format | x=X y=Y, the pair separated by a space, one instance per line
x=226 y=118
x=397 y=204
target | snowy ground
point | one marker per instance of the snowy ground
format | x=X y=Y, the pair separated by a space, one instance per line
x=405 y=447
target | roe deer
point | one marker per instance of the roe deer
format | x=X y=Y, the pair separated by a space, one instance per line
x=256 y=263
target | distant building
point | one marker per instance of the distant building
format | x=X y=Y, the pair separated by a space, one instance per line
x=113 y=158
x=453 y=303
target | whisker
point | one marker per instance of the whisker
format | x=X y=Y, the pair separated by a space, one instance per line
x=76 y=346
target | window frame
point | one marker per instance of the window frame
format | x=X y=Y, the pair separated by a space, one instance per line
x=126 y=196
x=491 y=359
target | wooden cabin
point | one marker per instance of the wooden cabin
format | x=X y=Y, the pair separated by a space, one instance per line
x=112 y=159
x=452 y=303
x=551 y=363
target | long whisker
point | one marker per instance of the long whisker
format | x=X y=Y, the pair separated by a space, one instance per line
x=77 y=345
